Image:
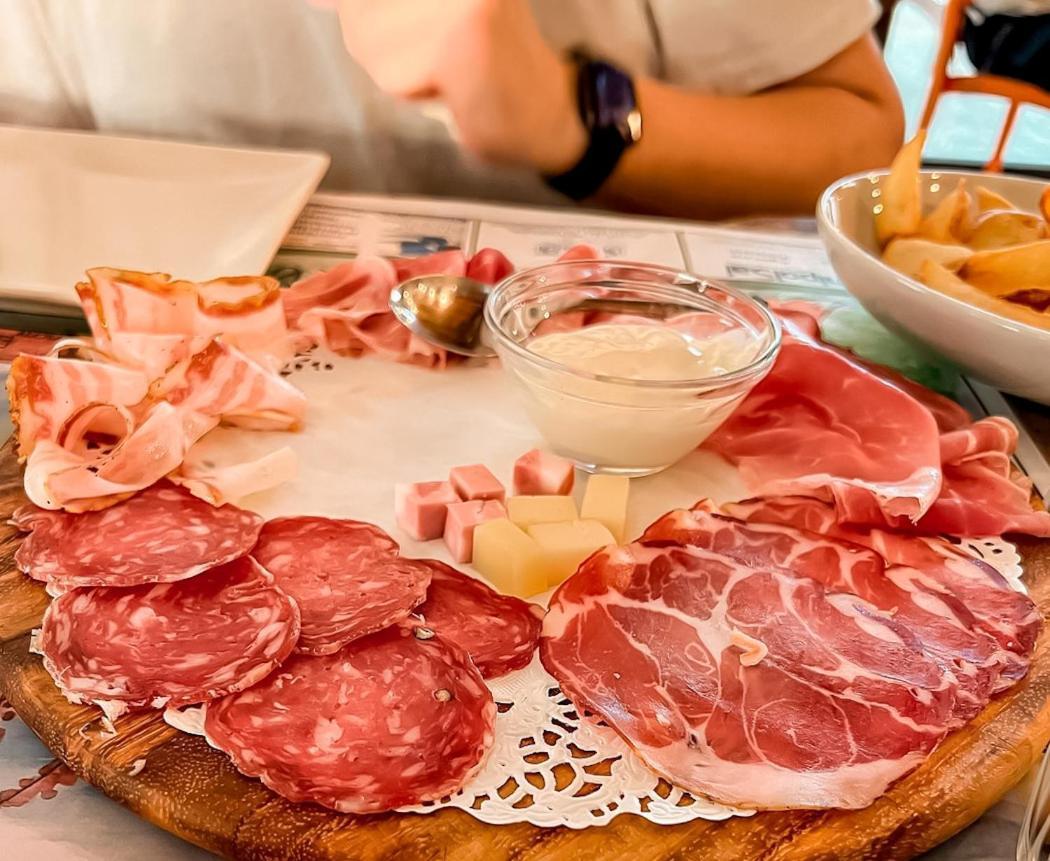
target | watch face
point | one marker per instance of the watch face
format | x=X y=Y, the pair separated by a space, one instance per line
x=614 y=102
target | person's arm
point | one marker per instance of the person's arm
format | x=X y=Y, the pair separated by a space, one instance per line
x=771 y=152
x=701 y=155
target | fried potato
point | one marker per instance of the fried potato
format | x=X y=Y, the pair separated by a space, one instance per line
x=907 y=254
x=1003 y=271
x=952 y=218
x=988 y=199
x=900 y=207
x=1044 y=204
x=936 y=277
x=999 y=229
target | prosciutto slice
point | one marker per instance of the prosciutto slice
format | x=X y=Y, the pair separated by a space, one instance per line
x=751 y=686
x=347 y=308
x=820 y=424
x=884 y=450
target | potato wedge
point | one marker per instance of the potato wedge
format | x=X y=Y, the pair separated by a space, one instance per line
x=1000 y=229
x=952 y=219
x=936 y=277
x=988 y=199
x=1003 y=271
x=907 y=254
x=899 y=211
x=1044 y=204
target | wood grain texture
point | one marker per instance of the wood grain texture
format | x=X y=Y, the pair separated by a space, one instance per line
x=193 y=791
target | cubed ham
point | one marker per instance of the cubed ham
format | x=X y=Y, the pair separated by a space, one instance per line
x=421 y=508
x=540 y=473
x=476 y=482
x=462 y=518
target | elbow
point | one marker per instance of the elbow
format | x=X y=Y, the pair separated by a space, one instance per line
x=875 y=133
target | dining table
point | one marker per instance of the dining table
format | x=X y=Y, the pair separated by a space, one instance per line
x=48 y=814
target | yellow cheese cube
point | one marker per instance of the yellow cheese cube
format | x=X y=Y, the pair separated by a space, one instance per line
x=525 y=511
x=508 y=558
x=566 y=545
x=605 y=500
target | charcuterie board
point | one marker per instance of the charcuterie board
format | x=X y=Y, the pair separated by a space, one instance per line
x=181 y=784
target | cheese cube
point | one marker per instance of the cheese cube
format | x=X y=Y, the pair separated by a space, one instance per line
x=566 y=545
x=460 y=523
x=540 y=473
x=508 y=558
x=476 y=482
x=524 y=511
x=605 y=500
x=420 y=509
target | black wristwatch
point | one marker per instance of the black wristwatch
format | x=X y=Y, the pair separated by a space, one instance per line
x=609 y=111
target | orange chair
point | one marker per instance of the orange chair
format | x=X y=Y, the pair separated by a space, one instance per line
x=1017 y=92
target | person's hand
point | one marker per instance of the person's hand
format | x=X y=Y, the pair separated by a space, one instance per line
x=511 y=95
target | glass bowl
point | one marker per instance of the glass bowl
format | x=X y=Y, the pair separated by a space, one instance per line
x=625 y=425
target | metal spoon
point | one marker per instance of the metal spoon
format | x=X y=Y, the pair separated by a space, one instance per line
x=446 y=310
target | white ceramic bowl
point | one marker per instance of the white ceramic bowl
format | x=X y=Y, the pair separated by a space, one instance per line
x=1009 y=355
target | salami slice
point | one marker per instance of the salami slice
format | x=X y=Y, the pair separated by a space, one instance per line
x=499 y=632
x=393 y=719
x=160 y=535
x=169 y=643
x=345 y=576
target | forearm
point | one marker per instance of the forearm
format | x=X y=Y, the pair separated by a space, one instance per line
x=707 y=156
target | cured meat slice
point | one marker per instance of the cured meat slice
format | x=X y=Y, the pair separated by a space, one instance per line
x=821 y=424
x=160 y=535
x=170 y=643
x=753 y=687
x=45 y=392
x=219 y=484
x=976 y=661
x=223 y=383
x=345 y=576
x=499 y=632
x=393 y=719
x=958 y=586
x=348 y=311
x=89 y=479
x=117 y=300
x=246 y=313
x=885 y=450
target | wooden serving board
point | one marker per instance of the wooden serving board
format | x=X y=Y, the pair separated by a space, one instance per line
x=193 y=791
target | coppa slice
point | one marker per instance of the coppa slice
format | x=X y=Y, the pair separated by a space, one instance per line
x=393 y=719
x=749 y=686
x=345 y=576
x=160 y=535
x=499 y=632
x=974 y=591
x=976 y=661
x=169 y=643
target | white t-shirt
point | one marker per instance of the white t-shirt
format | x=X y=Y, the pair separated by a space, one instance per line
x=275 y=73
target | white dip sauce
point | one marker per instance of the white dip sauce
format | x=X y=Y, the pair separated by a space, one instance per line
x=633 y=428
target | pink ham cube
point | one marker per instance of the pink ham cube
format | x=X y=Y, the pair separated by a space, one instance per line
x=540 y=473
x=421 y=508
x=462 y=518
x=476 y=482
